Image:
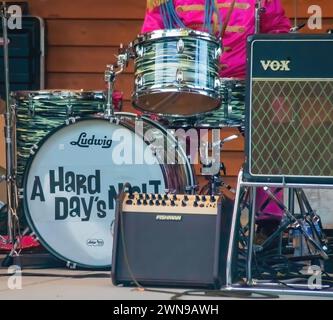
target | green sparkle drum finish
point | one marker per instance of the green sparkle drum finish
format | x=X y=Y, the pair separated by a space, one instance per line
x=232 y=110
x=177 y=73
x=230 y=114
x=39 y=112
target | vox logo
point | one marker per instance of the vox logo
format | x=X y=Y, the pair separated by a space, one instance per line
x=276 y=65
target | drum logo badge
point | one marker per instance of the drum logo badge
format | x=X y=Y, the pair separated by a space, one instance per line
x=85 y=142
x=95 y=243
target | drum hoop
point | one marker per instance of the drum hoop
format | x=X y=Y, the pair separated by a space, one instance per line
x=237 y=80
x=174 y=33
x=188 y=166
x=211 y=94
x=26 y=210
x=190 y=173
x=61 y=93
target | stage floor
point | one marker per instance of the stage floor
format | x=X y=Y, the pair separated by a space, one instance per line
x=64 y=284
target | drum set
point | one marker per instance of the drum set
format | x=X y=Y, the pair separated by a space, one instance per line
x=70 y=152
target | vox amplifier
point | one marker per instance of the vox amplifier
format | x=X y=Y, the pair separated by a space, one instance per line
x=290 y=109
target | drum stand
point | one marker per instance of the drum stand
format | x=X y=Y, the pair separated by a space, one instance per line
x=315 y=239
x=12 y=200
x=110 y=77
x=215 y=182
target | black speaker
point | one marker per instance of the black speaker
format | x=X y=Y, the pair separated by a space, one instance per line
x=26 y=56
x=172 y=246
x=290 y=109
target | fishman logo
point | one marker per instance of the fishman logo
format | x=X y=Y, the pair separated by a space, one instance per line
x=84 y=142
x=169 y=218
x=275 y=65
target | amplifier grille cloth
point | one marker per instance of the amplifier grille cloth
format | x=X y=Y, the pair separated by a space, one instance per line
x=292 y=127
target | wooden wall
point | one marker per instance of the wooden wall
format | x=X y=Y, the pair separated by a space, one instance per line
x=83 y=36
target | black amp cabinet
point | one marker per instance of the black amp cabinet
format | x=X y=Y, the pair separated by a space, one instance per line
x=290 y=109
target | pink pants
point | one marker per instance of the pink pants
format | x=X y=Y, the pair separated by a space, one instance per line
x=271 y=211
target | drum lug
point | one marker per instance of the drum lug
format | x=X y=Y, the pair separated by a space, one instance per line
x=20 y=193
x=139 y=81
x=179 y=76
x=33 y=149
x=69 y=109
x=217 y=83
x=31 y=108
x=180 y=46
x=71 y=120
x=218 y=54
x=69 y=105
x=139 y=51
x=114 y=120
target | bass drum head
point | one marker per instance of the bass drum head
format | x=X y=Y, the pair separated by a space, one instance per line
x=72 y=181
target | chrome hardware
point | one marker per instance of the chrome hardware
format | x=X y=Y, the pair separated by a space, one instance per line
x=139 y=51
x=180 y=46
x=139 y=81
x=179 y=76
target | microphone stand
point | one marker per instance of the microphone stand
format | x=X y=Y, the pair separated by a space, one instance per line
x=10 y=166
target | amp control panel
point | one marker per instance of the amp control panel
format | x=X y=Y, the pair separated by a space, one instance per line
x=171 y=203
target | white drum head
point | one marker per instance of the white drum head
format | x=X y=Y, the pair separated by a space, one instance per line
x=71 y=185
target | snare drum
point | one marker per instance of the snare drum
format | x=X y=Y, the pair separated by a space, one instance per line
x=75 y=174
x=177 y=72
x=38 y=112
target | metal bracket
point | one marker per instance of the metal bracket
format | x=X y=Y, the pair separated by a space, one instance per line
x=71 y=265
x=179 y=76
x=180 y=46
x=33 y=149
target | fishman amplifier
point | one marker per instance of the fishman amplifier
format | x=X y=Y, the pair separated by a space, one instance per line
x=171 y=240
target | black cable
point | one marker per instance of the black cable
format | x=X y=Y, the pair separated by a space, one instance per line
x=122 y=231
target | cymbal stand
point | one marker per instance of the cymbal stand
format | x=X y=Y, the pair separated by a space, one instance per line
x=10 y=162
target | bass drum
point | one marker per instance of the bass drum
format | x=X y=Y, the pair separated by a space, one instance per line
x=75 y=173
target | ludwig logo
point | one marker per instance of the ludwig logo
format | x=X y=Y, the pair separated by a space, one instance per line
x=275 y=65
x=83 y=141
x=95 y=243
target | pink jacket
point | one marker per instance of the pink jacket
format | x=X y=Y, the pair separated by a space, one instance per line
x=241 y=25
